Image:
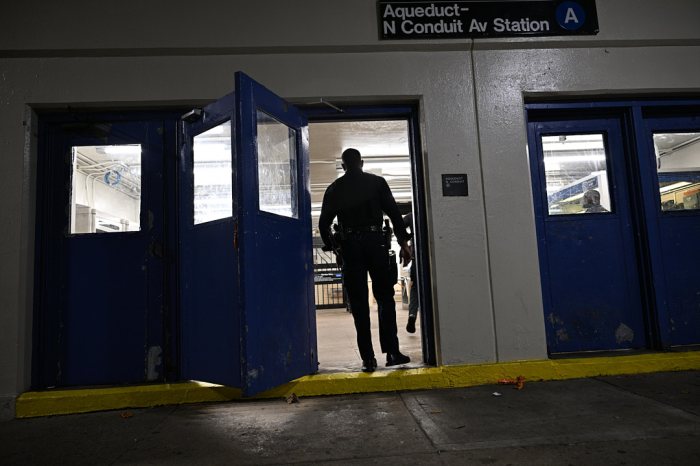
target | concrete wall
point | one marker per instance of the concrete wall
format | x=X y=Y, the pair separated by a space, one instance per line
x=483 y=247
x=226 y=26
x=513 y=74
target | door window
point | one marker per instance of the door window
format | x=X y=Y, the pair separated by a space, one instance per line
x=211 y=154
x=277 y=167
x=576 y=174
x=106 y=189
x=678 y=169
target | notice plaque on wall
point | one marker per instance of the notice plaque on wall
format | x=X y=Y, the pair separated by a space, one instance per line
x=455 y=185
x=474 y=19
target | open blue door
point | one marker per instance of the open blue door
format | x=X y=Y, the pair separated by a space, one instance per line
x=209 y=281
x=247 y=308
x=672 y=205
x=278 y=314
x=589 y=267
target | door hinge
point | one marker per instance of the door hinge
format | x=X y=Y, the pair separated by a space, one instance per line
x=329 y=104
x=193 y=115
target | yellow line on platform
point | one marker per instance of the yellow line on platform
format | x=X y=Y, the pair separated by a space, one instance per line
x=52 y=402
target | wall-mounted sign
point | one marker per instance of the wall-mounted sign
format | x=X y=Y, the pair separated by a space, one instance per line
x=455 y=185
x=475 y=19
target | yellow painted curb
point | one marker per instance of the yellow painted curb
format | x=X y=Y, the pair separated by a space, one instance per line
x=484 y=374
x=83 y=400
x=52 y=402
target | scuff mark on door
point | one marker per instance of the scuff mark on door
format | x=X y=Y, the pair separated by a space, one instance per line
x=153 y=362
x=562 y=335
x=623 y=334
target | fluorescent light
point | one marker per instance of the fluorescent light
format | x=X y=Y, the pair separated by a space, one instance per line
x=572 y=198
x=673 y=186
x=574 y=158
x=131 y=149
x=386 y=166
x=379 y=149
x=211 y=152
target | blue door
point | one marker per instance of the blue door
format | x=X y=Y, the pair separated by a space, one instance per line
x=670 y=149
x=209 y=281
x=100 y=251
x=587 y=245
x=247 y=277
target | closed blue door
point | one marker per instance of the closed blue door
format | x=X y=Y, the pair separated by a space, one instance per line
x=670 y=149
x=247 y=278
x=100 y=251
x=587 y=244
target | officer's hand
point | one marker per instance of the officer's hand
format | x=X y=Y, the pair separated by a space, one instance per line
x=405 y=254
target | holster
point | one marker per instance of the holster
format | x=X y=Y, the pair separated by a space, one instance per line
x=393 y=267
x=337 y=249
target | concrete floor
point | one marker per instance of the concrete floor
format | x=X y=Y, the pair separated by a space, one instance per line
x=337 y=344
x=651 y=419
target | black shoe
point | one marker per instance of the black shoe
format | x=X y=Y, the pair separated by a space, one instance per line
x=369 y=365
x=394 y=359
x=411 y=325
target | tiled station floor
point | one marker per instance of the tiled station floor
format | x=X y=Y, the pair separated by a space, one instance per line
x=337 y=346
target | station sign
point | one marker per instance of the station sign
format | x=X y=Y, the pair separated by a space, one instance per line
x=454 y=19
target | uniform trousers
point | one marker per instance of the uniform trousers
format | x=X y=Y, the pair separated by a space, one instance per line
x=413 y=293
x=365 y=253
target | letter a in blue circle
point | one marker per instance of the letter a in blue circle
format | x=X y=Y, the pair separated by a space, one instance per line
x=571 y=15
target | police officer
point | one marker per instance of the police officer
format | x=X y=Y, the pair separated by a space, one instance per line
x=359 y=200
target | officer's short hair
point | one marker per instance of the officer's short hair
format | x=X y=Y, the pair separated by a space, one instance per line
x=352 y=158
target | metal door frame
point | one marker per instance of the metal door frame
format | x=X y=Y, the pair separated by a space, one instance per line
x=409 y=112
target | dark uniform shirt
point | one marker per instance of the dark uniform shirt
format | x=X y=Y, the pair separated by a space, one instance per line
x=359 y=200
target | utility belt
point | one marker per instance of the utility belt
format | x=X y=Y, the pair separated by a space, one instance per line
x=357 y=231
x=361 y=229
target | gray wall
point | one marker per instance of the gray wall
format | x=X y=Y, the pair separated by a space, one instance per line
x=483 y=248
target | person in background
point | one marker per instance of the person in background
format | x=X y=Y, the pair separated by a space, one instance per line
x=359 y=200
x=591 y=202
x=413 y=291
